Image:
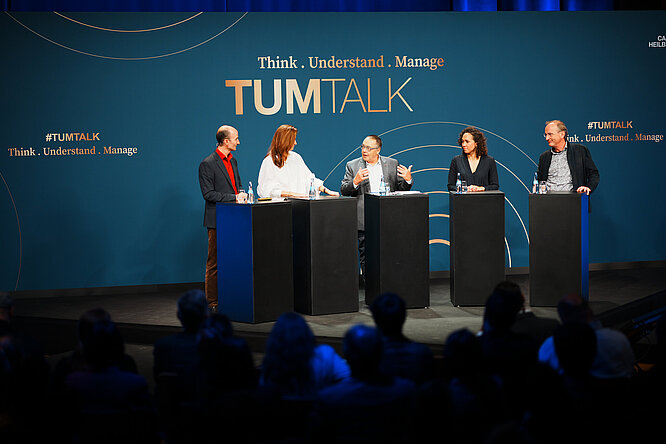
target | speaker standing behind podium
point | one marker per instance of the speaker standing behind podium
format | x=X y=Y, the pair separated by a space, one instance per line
x=283 y=172
x=474 y=165
x=363 y=175
x=220 y=182
x=566 y=166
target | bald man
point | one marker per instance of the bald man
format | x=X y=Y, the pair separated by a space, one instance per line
x=220 y=182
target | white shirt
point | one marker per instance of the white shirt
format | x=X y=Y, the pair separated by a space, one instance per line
x=294 y=176
x=375 y=176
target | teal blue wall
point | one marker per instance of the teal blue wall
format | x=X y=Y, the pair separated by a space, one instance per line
x=108 y=220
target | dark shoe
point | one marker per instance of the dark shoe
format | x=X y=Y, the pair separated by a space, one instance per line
x=212 y=309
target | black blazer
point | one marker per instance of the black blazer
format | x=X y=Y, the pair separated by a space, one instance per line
x=583 y=170
x=484 y=176
x=216 y=185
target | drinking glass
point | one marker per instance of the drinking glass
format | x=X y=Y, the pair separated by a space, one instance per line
x=241 y=197
x=464 y=186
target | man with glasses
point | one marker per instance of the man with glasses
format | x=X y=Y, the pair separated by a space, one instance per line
x=566 y=166
x=363 y=175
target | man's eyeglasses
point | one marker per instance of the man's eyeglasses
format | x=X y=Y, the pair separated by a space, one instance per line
x=368 y=148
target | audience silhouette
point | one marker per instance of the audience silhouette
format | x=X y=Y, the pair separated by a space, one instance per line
x=293 y=370
x=104 y=403
x=294 y=364
x=226 y=402
x=369 y=406
x=176 y=365
x=503 y=384
x=505 y=353
x=402 y=356
x=527 y=322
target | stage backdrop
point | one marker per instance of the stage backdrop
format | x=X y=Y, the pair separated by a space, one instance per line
x=107 y=116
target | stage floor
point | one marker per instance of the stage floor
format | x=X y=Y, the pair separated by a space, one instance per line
x=430 y=325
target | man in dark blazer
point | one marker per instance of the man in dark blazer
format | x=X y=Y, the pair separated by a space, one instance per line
x=566 y=166
x=363 y=175
x=220 y=182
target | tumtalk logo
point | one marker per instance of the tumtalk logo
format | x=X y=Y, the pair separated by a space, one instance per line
x=313 y=95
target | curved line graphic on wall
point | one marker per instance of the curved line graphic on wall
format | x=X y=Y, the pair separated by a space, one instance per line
x=465 y=125
x=126 y=30
x=444 y=169
x=431 y=169
x=18 y=223
x=439 y=241
x=126 y=58
x=446 y=192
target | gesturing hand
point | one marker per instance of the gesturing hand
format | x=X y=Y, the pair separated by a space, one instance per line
x=405 y=173
x=362 y=175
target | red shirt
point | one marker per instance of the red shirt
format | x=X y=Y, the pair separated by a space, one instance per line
x=226 y=160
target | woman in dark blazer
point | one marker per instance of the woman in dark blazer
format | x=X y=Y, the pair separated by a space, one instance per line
x=474 y=164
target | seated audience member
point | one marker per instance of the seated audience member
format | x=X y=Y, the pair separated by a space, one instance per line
x=537 y=327
x=369 y=406
x=178 y=353
x=294 y=364
x=614 y=359
x=105 y=403
x=507 y=354
x=293 y=369
x=467 y=397
x=75 y=361
x=610 y=376
x=176 y=360
x=226 y=406
x=402 y=356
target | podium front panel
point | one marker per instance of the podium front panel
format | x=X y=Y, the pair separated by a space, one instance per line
x=254 y=261
x=325 y=255
x=558 y=247
x=476 y=222
x=397 y=257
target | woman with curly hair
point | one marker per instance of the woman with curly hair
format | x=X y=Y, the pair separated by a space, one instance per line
x=474 y=164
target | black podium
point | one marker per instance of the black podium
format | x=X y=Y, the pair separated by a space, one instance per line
x=325 y=255
x=397 y=257
x=476 y=225
x=558 y=247
x=254 y=260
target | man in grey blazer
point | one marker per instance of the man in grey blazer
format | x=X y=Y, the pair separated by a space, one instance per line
x=220 y=182
x=363 y=176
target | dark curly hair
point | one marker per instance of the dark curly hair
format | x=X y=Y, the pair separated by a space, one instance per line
x=479 y=138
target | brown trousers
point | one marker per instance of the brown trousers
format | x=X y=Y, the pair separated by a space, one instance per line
x=210 y=285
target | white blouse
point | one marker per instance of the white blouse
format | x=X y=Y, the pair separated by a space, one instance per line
x=294 y=176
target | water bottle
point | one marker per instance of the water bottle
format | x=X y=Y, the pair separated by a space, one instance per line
x=458 y=185
x=382 y=186
x=250 y=193
x=535 y=184
x=312 y=194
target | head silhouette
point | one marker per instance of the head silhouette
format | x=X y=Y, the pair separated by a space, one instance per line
x=289 y=349
x=389 y=312
x=192 y=310
x=363 y=349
